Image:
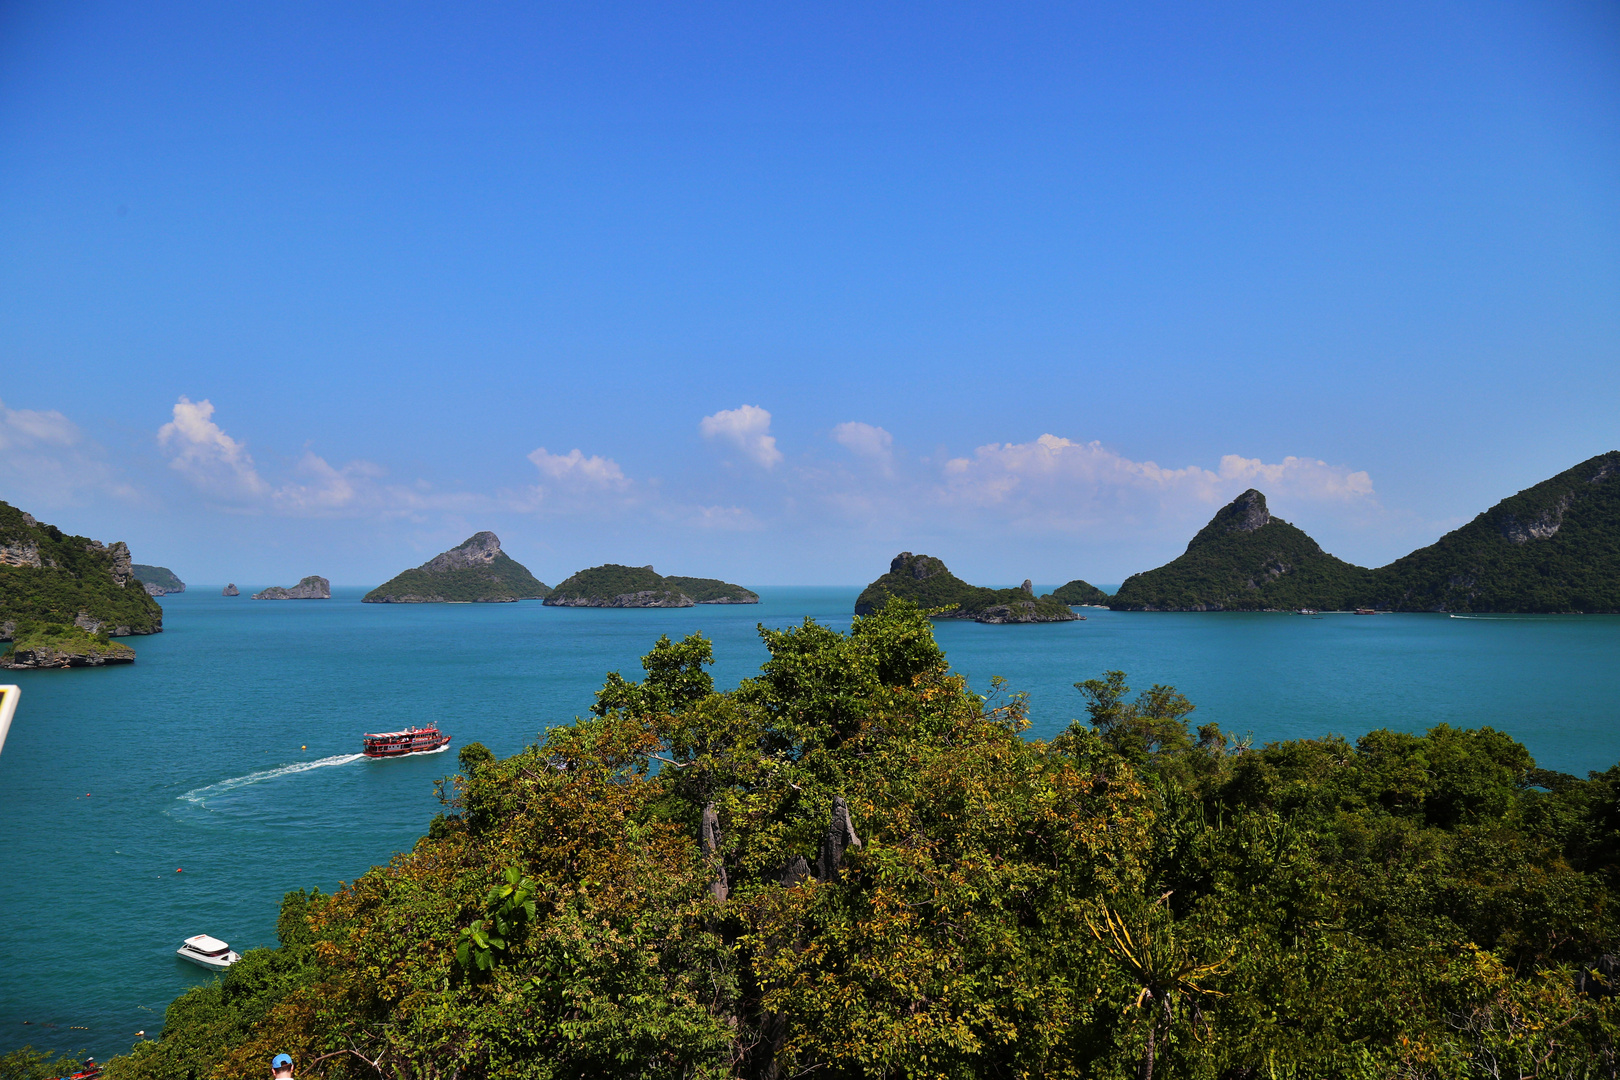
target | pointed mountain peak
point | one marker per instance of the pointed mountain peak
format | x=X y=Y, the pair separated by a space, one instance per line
x=479 y=549
x=1246 y=513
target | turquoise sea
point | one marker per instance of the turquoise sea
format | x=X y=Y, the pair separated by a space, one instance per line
x=186 y=793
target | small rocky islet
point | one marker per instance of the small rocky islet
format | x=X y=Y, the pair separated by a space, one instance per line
x=313 y=587
x=614 y=586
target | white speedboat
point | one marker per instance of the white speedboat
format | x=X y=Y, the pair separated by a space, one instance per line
x=208 y=952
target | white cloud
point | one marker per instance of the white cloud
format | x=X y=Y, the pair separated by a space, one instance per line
x=21 y=428
x=749 y=429
x=46 y=461
x=1301 y=476
x=206 y=456
x=867 y=441
x=1065 y=481
x=574 y=467
x=330 y=489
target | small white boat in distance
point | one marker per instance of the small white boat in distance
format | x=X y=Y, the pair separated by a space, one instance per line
x=208 y=952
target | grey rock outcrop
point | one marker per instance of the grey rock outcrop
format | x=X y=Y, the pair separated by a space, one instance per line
x=1246 y=513
x=92 y=625
x=22 y=553
x=478 y=551
x=840 y=837
x=230 y=590
x=313 y=587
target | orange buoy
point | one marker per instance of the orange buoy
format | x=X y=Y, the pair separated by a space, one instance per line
x=178 y=870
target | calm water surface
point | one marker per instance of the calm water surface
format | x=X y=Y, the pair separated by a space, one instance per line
x=186 y=793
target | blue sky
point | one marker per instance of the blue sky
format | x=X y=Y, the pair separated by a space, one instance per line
x=772 y=292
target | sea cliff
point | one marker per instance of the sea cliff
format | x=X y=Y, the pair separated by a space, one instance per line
x=68 y=589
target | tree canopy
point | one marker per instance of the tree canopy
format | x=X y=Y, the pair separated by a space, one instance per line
x=852 y=865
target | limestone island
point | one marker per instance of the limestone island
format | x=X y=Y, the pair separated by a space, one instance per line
x=62 y=597
x=925 y=580
x=615 y=586
x=310 y=588
x=230 y=590
x=157 y=580
x=476 y=572
x=1552 y=548
x=1079 y=593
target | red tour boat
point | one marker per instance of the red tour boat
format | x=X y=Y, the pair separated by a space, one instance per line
x=413 y=740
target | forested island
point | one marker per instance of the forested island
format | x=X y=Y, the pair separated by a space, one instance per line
x=852 y=865
x=158 y=580
x=1079 y=593
x=925 y=581
x=616 y=586
x=63 y=597
x=476 y=571
x=1551 y=548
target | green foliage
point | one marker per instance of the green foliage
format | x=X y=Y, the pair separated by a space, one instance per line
x=675 y=679
x=711 y=590
x=1554 y=547
x=1078 y=592
x=160 y=576
x=604 y=583
x=853 y=866
x=504 y=579
x=1229 y=568
x=1504 y=560
x=71 y=640
x=924 y=580
x=510 y=906
x=76 y=576
x=26 y=1063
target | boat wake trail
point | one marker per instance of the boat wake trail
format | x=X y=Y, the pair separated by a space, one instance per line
x=200 y=796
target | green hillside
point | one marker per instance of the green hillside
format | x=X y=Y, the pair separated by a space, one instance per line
x=928 y=583
x=613 y=585
x=475 y=572
x=1554 y=547
x=711 y=590
x=48 y=576
x=161 y=576
x=1078 y=592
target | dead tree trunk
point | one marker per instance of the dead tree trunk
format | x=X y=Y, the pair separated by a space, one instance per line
x=720 y=887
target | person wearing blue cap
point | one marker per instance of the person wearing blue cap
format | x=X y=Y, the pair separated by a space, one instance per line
x=281 y=1067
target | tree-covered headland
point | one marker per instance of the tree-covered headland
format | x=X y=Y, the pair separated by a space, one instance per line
x=852 y=865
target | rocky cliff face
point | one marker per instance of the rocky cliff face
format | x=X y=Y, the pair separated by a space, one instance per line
x=478 y=550
x=311 y=588
x=50 y=577
x=230 y=590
